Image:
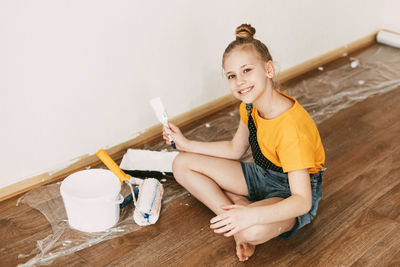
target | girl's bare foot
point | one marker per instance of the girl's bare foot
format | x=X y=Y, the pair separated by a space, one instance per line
x=244 y=250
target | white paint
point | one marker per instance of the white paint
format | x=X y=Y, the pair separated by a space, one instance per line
x=76 y=76
x=321 y=68
x=138 y=159
x=354 y=63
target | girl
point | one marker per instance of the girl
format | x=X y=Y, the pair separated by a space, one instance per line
x=279 y=193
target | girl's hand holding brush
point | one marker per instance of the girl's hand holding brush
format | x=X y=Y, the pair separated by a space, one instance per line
x=181 y=141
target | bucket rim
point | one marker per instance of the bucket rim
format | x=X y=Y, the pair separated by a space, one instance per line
x=109 y=197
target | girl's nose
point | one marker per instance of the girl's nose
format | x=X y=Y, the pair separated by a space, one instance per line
x=240 y=80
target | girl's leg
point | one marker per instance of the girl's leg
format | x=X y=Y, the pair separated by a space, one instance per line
x=247 y=239
x=217 y=182
x=237 y=199
x=206 y=177
x=261 y=233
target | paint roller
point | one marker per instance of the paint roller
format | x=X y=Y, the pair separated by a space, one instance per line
x=148 y=203
x=388 y=38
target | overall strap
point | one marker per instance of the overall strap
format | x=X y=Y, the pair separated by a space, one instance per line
x=258 y=156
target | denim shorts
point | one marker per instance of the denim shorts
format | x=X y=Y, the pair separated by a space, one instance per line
x=263 y=184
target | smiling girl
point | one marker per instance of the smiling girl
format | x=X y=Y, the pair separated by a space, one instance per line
x=277 y=194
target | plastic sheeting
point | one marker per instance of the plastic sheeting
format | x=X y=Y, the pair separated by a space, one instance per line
x=65 y=240
x=374 y=71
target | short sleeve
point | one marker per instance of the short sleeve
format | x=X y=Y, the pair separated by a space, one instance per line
x=243 y=113
x=296 y=154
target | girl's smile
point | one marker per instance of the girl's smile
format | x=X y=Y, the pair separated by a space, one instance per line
x=246 y=90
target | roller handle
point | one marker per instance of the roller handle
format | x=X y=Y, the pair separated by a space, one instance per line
x=108 y=161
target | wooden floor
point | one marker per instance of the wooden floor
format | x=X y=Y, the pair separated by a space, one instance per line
x=358 y=221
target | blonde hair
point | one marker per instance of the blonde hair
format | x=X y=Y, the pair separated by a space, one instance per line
x=245 y=38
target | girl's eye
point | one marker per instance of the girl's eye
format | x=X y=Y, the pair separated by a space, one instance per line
x=231 y=76
x=247 y=70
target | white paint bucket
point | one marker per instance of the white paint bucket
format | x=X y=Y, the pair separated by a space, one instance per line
x=91 y=199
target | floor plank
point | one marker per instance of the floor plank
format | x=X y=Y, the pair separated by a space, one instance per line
x=389 y=204
x=385 y=252
x=352 y=240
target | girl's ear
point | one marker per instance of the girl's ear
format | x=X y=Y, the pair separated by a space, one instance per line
x=269 y=69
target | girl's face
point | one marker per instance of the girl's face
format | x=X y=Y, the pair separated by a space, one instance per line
x=247 y=74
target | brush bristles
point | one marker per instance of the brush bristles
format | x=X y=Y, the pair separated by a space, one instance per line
x=159 y=109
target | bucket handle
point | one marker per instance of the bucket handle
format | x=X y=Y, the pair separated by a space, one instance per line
x=119 y=199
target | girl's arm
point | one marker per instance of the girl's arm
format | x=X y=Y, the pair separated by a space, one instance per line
x=241 y=217
x=299 y=203
x=232 y=149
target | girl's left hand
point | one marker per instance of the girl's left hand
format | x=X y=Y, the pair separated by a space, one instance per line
x=233 y=220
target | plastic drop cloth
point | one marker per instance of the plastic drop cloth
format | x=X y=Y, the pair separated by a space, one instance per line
x=65 y=240
x=374 y=71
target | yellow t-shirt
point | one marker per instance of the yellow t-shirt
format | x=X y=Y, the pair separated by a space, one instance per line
x=291 y=140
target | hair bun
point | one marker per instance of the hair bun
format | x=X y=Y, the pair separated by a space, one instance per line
x=245 y=31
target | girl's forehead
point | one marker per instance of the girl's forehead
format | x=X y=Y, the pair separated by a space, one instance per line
x=241 y=56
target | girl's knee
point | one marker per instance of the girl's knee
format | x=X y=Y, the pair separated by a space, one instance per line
x=180 y=165
x=179 y=161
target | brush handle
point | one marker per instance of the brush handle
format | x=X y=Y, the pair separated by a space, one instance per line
x=164 y=122
x=172 y=142
x=108 y=161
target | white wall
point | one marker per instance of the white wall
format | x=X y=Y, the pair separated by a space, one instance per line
x=76 y=75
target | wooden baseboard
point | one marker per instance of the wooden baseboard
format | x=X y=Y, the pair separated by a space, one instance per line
x=202 y=111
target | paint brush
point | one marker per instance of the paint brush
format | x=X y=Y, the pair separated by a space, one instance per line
x=161 y=114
